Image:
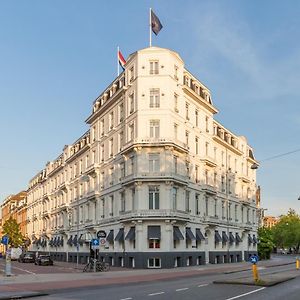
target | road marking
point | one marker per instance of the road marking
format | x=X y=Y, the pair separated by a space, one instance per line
x=13 y=267
x=154 y=294
x=201 y=285
x=183 y=289
x=126 y=299
x=246 y=294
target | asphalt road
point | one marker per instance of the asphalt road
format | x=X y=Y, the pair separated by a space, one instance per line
x=197 y=287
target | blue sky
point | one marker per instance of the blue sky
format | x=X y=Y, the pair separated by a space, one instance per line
x=57 y=56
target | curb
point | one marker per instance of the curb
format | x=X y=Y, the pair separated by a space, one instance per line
x=21 y=295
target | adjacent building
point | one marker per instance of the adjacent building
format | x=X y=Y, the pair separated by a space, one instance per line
x=270 y=221
x=168 y=183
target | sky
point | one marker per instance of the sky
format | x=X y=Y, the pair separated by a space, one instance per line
x=57 y=56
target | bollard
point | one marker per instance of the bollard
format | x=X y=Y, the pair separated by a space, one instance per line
x=255 y=272
x=8 y=263
x=297 y=263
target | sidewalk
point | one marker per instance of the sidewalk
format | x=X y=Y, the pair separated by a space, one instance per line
x=34 y=284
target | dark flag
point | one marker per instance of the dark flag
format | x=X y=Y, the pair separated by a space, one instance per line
x=155 y=23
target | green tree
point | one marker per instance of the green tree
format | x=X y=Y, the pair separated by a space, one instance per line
x=12 y=229
x=265 y=244
x=287 y=231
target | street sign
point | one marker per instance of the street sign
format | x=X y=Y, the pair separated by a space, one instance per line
x=4 y=240
x=101 y=234
x=102 y=241
x=95 y=244
x=253 y=259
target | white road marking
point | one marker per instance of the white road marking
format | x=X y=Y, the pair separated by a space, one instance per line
x=154 y=294
x=183 y=289
x=246 y=294
x=126 y=299
x=13 y=267
x=201 y=285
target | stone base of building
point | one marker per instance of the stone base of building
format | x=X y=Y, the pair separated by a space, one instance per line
x=163 y=260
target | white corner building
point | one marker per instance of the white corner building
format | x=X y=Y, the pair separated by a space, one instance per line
x=168 y=184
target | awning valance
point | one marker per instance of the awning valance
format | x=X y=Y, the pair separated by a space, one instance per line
x=110 y=236
x=199 y=235
x=224 y=237
x=218 y=238
x=189 y=234
x=177 y=235
x=131 y=234
x=120 y=235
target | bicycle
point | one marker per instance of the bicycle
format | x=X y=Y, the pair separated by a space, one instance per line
x=99 y=267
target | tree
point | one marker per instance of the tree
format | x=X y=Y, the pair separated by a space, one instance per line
x=265 y=244
x=287 y=231
x=12 y=229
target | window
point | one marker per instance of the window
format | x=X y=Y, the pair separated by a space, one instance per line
x=131 y=131
x=111 y=147
x=153 y=197
x=102 y=127
x=187 y=138
x=229 y=211
x=197 y=117
x=223 y=183
x=154 y=244
x=94 y=133
x=235 y=213
x=102 y=152
x=111 y=176
x=122 y=197
x=121 y=112
x=187 y=166
x=131 y=74
x=174 y=198
x=111 y=120
x=175 y=72
x=122 y=170
x=131 y=165
x=216 y=207
x=206 y=124
x=197 y=204
x=206 y=148
x=154 y=128
x=187 y=201
x=154 y=163
x=206 y=176
x=176 y=131
x=111 y=205
x=154 y=263
x=197 y=174
x=102 y=180
x=215 y=153
x=197 y=145
x=187 y=111
x=133 y=199
x=176 y=103
x=206 y=205
x=154 y=98
x=175 y=159
x=154 y=67
x=131 y=103
x=223 y=210
x=121 y=140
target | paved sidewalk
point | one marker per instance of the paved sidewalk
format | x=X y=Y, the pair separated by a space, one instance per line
x=15 y=286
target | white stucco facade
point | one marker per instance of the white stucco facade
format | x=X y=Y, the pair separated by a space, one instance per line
x=155 y=161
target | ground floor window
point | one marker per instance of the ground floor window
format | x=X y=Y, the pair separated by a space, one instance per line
x=154 y=262
x=154 y=244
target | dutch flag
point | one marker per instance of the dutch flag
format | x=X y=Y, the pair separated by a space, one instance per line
x=121 y=60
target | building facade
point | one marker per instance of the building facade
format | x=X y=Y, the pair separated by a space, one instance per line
x=270 y=221
x=169 y=184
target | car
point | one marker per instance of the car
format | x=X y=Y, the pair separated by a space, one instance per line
x=26 y=258
x=43 y=260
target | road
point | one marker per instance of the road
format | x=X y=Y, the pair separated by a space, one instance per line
x=198 y=285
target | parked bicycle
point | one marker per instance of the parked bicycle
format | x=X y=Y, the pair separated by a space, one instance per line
x=95 y=265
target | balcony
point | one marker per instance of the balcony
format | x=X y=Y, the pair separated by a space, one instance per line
x=244 y=178
x=155 y=214
x=209 y=161
x=209 y=189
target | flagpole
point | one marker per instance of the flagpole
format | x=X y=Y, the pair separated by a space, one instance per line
x=118 y=61
x=150 y=35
